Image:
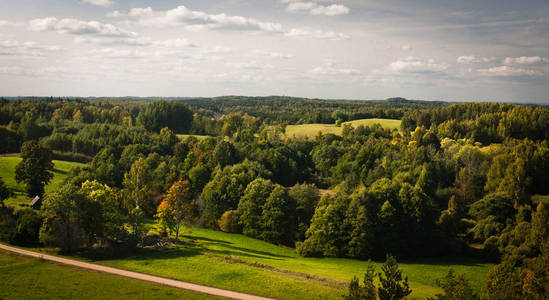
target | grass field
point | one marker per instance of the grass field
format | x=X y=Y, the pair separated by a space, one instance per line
x=236 y=262
x=7 y=173
x=28 y=278
x=311 y=130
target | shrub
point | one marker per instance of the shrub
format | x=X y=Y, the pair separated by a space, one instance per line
x=229 y=222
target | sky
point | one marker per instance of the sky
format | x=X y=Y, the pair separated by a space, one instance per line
x=489 y=50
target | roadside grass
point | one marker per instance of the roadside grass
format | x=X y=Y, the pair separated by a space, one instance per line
x=7 y=173
x=311 y=130
x=237 y=262
x=30 y=278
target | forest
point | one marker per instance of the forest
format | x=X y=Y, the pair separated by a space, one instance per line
x=466 y=179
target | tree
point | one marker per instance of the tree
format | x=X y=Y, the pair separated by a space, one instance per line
x=306 y=197
x=179 y=200
x=366 y=292
x=456 y=287
x=229 y=222
x=392 y=285
x=35 y=168
x=175 y=115
x=250 y=206
x=135 y=188
x=278 y=219
x=4 y=192
x=63 y=223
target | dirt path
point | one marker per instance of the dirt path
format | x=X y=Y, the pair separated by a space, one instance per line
x=139 y=276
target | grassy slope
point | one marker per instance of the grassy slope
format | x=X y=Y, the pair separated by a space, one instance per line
x=311 y=130
x=203 y=262
x=28 y=278
x=7 y=173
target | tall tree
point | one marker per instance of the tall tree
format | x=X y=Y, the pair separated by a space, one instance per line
x=35 y=168
x=392 y=285
x=179 y=199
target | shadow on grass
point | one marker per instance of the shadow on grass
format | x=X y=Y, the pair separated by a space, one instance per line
x=143 y=253
x=201 y=238
x=446 y=261
x=232 y=249
x=59 y=171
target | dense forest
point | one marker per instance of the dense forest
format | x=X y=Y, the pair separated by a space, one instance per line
x=464 y=179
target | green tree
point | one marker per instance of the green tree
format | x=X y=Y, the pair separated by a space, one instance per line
x=179 y=199
x=63 y=224
x=392 y=285
x=455 y=287
x=278 y=219
x=306 y=197
x=35 y=168
x=4 y=192
x=250 y=207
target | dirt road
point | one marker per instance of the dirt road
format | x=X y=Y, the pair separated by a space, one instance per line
x=135 y=275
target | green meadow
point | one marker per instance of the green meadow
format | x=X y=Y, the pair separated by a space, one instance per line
x=312 y=130
x=237 y=262
x=29 y=278
x=7 y=173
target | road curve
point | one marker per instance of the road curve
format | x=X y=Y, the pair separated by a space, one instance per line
x=140 y=276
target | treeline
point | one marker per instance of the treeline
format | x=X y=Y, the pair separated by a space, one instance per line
x=282 y=110
x=483 y=122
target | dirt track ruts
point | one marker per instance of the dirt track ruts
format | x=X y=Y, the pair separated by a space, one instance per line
x=135 y=275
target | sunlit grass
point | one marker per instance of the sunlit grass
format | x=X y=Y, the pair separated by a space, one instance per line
x=312 y=130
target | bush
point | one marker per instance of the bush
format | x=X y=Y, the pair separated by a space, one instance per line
x=456 y=287
x=229 y=222
x=28 y=227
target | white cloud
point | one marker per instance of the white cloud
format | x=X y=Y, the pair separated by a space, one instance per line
x=198 y=20
x=414 y=65
x=469 y=59
x=406 y=47
x=331 y=69
x=525 y=60
x=138 y=41
x=5 y=23
x=316 y=9
x=117 y=53
x=318 y=34
x=78 y=27
x=273 y=54
x=506 y=71
x=174 y=43
x=16 y=48
x=104 y=3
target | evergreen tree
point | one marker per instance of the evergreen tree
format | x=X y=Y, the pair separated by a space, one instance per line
x=392 y=285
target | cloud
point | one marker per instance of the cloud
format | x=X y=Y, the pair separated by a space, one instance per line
x=16 y=48
x=329 y=68
x=506 y=71
x=117 y=53
x=198 y=20
x=318 y=34
x=138 y=41
x=174 y=43
x=469 y=59
x=316 y=9
x=5 y=23
x=78 y=27
x=273 y=54
x=104 y=3
x=414 y=65
x=525 y=60
x=406 y=47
